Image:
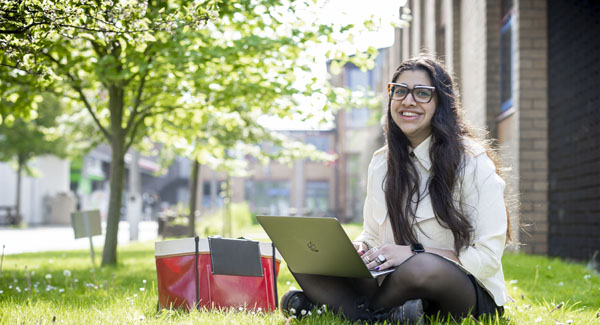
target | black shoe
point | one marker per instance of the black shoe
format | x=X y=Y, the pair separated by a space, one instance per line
x=295 y=303
x=409 y=313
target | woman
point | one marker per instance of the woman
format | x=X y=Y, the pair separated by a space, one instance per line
x=434 y=211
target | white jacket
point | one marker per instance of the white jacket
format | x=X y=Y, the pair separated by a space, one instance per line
x=480 y=192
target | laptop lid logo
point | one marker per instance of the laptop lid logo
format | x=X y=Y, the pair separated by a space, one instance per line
x=312 y=247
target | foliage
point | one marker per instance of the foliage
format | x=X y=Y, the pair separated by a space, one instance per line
x=30 y=28
x=25 y=139
x=126 y=293
x=22 y=140
x=195 y=76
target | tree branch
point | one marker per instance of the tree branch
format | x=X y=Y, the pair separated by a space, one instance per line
x=139 y=122
x=136 y=104
x=22 y=29
x=83 y=98
x=91 y=111
x=134 y=131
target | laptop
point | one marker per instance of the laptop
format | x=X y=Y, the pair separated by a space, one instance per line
x=316 y=245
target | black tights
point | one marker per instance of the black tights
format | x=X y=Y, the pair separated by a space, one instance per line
x=442 y=286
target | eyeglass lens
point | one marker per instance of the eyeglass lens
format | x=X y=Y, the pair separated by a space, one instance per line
x=422 y=95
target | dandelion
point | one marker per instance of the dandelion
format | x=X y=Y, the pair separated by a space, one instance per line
x=292 y=310
x=303 y=312
x=144 y=281
x=48 y=276
x=319 y=311
x=67 y=273
x=537 y=320
x=135 y=295
x=240 y=308
x=513 y=281
x=259 y=309
x=587 y=277
x=61 y=290
x=309 y=313
x=142 y=289
x=10 y=286
x=18 y=289
x=1 y=292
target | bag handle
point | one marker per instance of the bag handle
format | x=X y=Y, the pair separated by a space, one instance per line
x=275 y=277
x=197 y=240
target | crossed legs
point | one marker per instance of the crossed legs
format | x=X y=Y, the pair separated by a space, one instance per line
x=442 y=286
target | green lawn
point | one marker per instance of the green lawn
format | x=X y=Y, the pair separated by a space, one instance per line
x=60 y=286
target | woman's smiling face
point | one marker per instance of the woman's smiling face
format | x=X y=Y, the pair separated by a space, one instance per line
x=414 y=118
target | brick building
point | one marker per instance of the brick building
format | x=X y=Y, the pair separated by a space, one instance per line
x=528 y=73
x=335 y=189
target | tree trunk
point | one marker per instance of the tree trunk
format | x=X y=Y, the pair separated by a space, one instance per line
x=117 y=173
x=20 y=164
x=193 y=195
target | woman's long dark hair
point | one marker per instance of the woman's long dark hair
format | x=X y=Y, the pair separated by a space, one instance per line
x=447 y=152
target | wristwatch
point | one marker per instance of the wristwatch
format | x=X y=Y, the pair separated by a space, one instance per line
x=417 y=248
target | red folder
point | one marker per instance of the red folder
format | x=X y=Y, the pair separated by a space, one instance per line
x=186 y=279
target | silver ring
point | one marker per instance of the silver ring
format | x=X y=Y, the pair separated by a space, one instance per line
x=381 y=259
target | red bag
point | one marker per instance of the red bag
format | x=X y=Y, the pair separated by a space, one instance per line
x=228 y=273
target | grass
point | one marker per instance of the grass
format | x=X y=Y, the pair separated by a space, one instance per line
x=62 y=287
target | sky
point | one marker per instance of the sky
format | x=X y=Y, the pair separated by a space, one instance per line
x=344 y=12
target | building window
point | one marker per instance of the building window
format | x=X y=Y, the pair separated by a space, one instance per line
x=357 y=79
x=506 y=55
x=316 y=200
x=321 y=142
x=357 y=117
x=206 y=194
x=268 y=197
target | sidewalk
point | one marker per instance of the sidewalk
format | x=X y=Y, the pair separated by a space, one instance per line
x=61 y=237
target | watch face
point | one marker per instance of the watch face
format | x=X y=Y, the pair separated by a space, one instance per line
x=417 y=248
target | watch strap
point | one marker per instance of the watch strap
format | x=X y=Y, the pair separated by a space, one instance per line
x=417 y=248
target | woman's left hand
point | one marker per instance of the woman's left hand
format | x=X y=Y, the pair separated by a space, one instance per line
x=392 y=255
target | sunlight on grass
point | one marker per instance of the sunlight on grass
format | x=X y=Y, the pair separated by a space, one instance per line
x=62 y=287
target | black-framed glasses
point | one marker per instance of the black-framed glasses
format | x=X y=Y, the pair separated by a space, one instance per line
x=421 y=94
